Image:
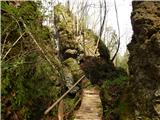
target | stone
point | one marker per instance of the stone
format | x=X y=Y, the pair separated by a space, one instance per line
x=71 y=53
x=157 y=93
x=144 y=58
x=69 y=80
x=157 y=108
x=74 y=67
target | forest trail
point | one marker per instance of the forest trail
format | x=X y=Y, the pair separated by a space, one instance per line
x=91 y=106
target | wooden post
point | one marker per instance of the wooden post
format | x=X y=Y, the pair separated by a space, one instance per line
x=61 y=110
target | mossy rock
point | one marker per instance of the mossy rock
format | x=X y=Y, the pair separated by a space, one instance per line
x=63 y=19
x=70 y=53
x=74 y=67
x=69 y=80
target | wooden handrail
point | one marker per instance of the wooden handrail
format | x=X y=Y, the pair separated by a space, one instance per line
x=54 y=104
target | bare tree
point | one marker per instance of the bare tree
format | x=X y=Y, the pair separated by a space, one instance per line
x=118 y=40
x=103 y=23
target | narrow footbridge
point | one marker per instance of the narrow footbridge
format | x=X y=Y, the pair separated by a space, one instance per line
x=91 y=107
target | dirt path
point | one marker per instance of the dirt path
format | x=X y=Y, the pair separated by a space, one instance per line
x=91 y=107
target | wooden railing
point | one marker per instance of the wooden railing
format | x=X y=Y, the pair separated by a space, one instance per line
x=54 y=104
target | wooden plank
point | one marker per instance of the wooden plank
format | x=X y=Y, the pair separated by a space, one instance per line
x=91 y=106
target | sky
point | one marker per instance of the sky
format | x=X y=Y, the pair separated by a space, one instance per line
x=124 y=9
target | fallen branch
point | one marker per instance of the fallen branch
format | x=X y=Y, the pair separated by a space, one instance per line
x=54 y=104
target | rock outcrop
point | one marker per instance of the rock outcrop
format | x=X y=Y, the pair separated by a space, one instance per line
x=74 y=47
x=144 y=60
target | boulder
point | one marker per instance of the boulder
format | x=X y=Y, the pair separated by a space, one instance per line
x=70 y=53
x=69 y=81
x=74 y=67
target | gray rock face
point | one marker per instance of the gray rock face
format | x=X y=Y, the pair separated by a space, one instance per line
x=144 y=60
x=70 y=53
x=69 y=80
x=74 y=67
x=74 y=47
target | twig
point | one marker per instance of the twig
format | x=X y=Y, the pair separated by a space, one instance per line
x=12 y=46
x=4 y=42
x=54 y=104
x=24 y=53
x=7 y=28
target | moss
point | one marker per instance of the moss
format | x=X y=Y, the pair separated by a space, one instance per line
x=88 y=84
x=74 y=67
x=113 y=96
x=89 y=34
x=65 y=27
x=29 y=86
x=69 y=103
x=26 y=86
x=102 y=48
x=63 y=19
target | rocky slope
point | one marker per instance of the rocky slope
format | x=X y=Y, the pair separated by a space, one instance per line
x=78 y=47
x=144 y=60
x=77 y=54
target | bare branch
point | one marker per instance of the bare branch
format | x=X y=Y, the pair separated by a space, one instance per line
x=4 y=42
x=102 y=26
x=118 y=31
x=12 y=46
x=7 y=28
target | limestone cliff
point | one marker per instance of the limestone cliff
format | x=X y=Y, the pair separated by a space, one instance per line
x=144 y=60
x=73 y=46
